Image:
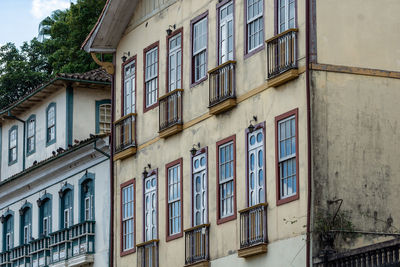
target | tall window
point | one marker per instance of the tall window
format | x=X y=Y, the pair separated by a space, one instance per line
x=286 y=15
x=175 y=62
x=128 y=217
x=31 y=135
x=255 y=167
x=87 y=198
x=105 y=118
x=151 y=76
x=287 y=156
x=13 y=145
x=45 y=217
x=51 y=124
x=226 y=167
x=199 y=49
x=26 y=226
x=200 y=187
x=8 y=233
x=130 y=87
x=225 y=44
x=66 y=209
x=174 y=194
x=255 y=24
x=150 y=210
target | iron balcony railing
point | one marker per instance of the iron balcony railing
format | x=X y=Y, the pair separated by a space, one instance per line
x=148 y=254
x=5 y=259
x=170 y=110
x=125 y=132
x=282 y=52
x=253 y=226
x=20 y=256
x=40 y=252
x=385 y=254
x=59 y=246
x=197 y=244
x=222 y=83
x=82 y=238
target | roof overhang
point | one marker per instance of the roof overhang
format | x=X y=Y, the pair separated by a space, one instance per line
x=110 y=26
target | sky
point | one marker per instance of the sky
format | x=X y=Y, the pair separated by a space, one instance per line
x=19 y=19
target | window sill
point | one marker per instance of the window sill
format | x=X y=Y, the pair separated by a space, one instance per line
x=173 y=237
x=127 y=252
x=199 y=81
x=226 y=219
x=287 y=200
x=145 y=109
x=50 y=142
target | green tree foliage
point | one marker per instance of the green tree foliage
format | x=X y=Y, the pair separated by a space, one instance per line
x=58 y=51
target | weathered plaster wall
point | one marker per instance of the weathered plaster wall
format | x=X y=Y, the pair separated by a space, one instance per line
x=356 y=148
x=359 y=33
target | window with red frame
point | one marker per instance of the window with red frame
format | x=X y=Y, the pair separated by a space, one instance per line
x=174 y=197
x=128 y=216
x=151 y=76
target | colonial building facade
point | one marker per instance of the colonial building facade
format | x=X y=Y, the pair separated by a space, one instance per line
x=253 y=132
x=54 y=187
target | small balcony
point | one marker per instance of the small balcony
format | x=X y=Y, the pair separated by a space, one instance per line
x=20 y=256
x=125 y=136
x=197 y=246
x=282 y=58
x=170 y=113
x=222 y=88
x=60 y=248
x=82 y=241
x=5 y=259
x=253 y=231
x=148 y=254
x=40 y=252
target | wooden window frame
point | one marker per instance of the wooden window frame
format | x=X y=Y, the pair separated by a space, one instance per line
x=147 y=49
x=248 y=53
x=219 y=5
x=167 y=167
x=173 y=34
x=10 y=161
x=276 y=11
x=192 y=68
x=260 y=125
x=52 y=141
x=150 y=173
x=128 y=61
x=234 y=215
x=132 y=250
x=198 y=152
x=31 y=119
x=279 y=118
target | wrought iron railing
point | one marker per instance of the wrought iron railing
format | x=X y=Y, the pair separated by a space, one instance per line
x=385 y=254
x=40 y=252
x=59 y=246
x=197 y=244
x=222 y=83
x=5 y=259
x=125 y=132
x=282 y=52
x=253 y=226
x=82 y=238
x=170 y=110
x=20 y=256
x=148 y=254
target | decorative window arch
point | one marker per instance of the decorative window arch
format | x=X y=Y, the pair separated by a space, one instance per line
x=51 y=124
x=7 y=219
x=45 y=214
x=25 y=214
x=66 y=195
x=13 y=145
x=86 y=196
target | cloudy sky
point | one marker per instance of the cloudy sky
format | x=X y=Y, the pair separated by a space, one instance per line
x=19 y=19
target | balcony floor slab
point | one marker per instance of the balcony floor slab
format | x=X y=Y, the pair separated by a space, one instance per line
x=253 y=250
x=283 y=78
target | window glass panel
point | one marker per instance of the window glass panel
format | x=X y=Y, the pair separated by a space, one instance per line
x=199 y=48
x=226 y=179
x=127 y=217
x=151 y=76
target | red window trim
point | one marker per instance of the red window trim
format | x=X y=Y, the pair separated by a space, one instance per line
x=192 y=22
x=147 y=49
x=130 y=251
x=180 y=30
x=150 y=173
x=248 y=54
x=219 y=5
x=200 y=151
x=168 y=166
x=133 y=58
x=280 y=201
x=256 y=127
x=234 y=215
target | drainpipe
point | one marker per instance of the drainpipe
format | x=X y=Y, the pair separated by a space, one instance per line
x=10 y=116
x=308 y=95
